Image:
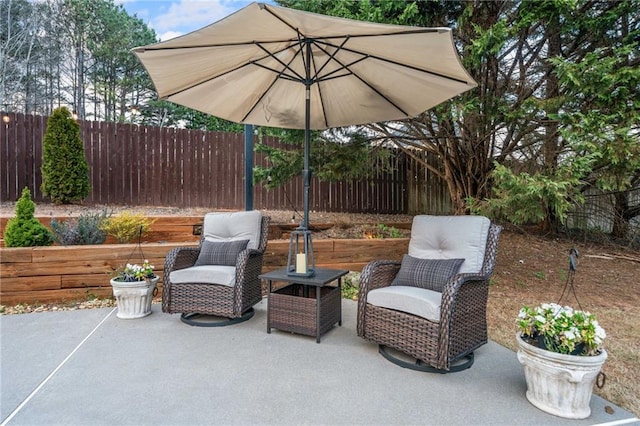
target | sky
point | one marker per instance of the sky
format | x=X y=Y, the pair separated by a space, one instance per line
x=171 y=18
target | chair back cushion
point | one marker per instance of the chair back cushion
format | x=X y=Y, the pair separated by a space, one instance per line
x=233 y=226
x=450 y=237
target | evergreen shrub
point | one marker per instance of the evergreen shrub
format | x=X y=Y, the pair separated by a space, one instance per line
x=65 y=172
x=24 y=230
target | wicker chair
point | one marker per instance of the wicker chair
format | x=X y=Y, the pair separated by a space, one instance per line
x=436 y=330
x=219 y=278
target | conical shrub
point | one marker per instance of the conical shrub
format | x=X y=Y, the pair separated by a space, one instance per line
x=65 y=172
x=25 y=230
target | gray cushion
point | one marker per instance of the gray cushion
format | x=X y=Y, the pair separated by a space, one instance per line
x=412 y=300
x=431 y=274
x=233 y=226
x=207 y=274
x=220 y=252
x=450 y=237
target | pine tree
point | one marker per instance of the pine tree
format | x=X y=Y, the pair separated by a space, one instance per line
x=25 y=230
x=65 y=173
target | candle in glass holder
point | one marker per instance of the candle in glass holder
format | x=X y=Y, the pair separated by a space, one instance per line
x=301 y=263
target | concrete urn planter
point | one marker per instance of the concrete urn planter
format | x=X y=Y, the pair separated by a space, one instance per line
x=134 y=298
x=559 y=384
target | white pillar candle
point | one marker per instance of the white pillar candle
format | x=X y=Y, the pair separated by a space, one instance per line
x=301 y=263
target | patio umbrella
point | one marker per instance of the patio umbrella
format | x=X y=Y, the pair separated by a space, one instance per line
x=278 y=67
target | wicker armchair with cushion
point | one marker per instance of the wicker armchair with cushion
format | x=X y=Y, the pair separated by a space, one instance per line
x=431 y=307
x=219 y=278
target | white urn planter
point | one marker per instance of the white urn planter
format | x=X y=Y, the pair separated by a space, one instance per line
x=559 y=384
x=134 y=298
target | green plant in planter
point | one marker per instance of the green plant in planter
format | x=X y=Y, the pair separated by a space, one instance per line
x=127 y=226
x=561 y=329
x=134 y=272
x=85 y=229
x=25 y=230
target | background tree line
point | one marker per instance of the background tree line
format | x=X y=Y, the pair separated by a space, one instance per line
x=76 y=53
x=555 y=113
x=72 y=53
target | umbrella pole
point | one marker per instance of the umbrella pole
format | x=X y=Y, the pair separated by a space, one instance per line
x=306 y=172
x=300 y=261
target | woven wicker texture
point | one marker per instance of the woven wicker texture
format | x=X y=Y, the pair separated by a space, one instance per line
x=211 y=299
x=463 y=321
x=290 y=311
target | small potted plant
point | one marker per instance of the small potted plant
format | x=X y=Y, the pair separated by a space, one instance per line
x=133 y=288
x=561 y=351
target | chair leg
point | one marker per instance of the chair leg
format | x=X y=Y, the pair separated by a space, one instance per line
x=203 y=320
x=420 y=366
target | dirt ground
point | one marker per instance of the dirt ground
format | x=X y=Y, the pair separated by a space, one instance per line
x=531 y=269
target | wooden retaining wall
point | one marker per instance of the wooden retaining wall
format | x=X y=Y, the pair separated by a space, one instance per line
x=51 y=274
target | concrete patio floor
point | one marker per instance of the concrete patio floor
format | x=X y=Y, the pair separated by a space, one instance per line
x=88 y=367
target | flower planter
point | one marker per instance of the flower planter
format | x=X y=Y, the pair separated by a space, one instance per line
x=559 y=384
x=134 y=298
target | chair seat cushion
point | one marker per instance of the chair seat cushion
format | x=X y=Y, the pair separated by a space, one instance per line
x=208 y=274
x=220 y=252
x=413 y=300
x=431 y=274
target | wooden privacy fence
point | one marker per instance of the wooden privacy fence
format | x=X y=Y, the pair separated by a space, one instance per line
x=153 y=166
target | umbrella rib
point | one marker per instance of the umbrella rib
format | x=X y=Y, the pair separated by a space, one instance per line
x=143 y=49
x=316 y=72
x=254 y=62
x=331 y=56
x=278 y=75
x=346 y=67
x=400 y=64
x=191 y=86
x=286 y=66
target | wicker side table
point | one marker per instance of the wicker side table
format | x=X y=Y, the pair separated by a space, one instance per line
x=298 y=308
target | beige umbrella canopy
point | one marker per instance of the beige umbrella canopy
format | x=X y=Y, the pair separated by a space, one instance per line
x=255 y=65
x=272 y=66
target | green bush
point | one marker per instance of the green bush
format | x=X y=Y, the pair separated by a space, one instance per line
x=350 y=286
x=65 y=173
x=25 y=230
x=127 y=226
x=383 y=231
x=85 y=229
